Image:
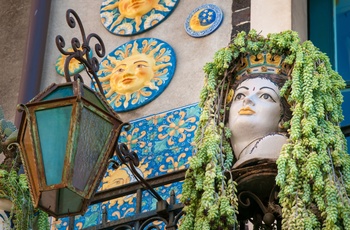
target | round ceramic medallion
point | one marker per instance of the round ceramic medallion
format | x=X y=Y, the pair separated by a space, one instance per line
x=74 y=65
x=203 y=20
x=129 y=17
x=136 y=73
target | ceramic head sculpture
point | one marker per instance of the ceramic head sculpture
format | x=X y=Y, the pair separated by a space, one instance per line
x=257 y=111
x=312 y=160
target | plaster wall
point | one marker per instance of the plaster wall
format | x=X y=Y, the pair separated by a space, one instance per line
x=270 y=16
x=192 y=53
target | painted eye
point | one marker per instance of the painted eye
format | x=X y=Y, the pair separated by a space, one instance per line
x=267 y=97
x=120 y=70
x=141 y=66
x=239 y=97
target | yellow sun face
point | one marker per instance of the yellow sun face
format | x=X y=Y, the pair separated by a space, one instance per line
x=123 y=175
x=136 y=72
x=132 y=74
x=126 y=17
x=136 y=8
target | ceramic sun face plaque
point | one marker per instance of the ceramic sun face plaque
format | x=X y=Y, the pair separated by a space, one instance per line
x=203 y=20
x=74 y=65
x=136 y=73
x=129 y=17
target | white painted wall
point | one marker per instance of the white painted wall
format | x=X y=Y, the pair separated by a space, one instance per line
x=273 y=16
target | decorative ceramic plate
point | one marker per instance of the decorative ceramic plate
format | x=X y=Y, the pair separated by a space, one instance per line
x=136 y=73
x=74 y=65
x=129 y=17
x=203 y=20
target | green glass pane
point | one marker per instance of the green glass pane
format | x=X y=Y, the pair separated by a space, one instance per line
x=60 y=92
x=90 y=96
x=69 y=201
x=61 y=201
x=92 y=142
x=53 y=128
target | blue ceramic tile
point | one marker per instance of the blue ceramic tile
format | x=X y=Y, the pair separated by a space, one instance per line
x=163 y=143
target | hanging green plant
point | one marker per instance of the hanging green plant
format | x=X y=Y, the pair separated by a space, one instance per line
x=14 y=186
x=313 y=167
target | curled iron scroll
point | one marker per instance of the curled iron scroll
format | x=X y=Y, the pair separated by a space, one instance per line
x=80 y=51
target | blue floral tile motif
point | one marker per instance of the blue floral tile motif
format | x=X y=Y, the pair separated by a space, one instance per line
x=163 y=143
x=130 y=17
x=164 y=140
x=92 y=217
x=204 y=20
x=136 y=73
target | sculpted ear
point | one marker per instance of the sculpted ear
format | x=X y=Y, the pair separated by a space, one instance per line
x=280 y=125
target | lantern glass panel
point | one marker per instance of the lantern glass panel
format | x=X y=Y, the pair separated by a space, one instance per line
x=90 y=96
x=60 y=92
x=61 y=201
x=53 y=128
x=92 y=143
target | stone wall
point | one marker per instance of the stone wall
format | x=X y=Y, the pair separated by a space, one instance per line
x=14 y=28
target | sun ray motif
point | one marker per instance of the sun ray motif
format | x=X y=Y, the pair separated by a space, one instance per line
x=125 y=28
x=136 y=73
x=152 y=20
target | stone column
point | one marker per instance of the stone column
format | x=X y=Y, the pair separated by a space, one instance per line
x=271 y=16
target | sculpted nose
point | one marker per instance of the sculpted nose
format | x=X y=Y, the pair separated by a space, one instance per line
x=128 y=72
x=248 y=101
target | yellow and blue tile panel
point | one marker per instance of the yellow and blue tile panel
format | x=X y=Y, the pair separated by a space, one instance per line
x=164 y=143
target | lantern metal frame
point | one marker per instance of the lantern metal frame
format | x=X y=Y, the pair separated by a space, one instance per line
x=45 y=186
x=57 y=196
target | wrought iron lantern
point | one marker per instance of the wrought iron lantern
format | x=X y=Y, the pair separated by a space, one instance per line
x=67 y=135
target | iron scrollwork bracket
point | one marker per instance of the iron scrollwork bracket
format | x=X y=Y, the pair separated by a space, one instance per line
x=270 y=212
x=131 y=160
x=81 y=51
